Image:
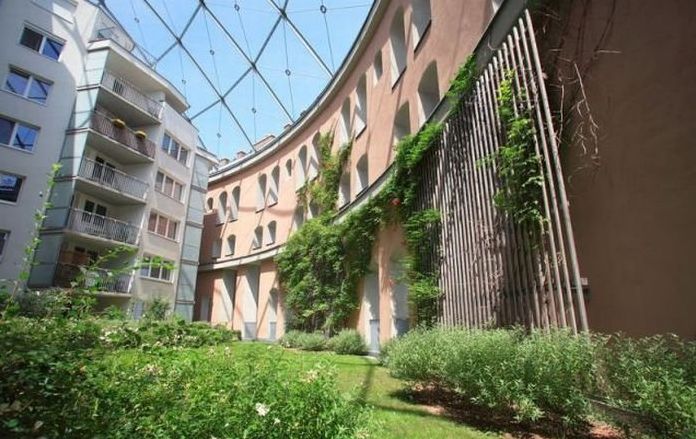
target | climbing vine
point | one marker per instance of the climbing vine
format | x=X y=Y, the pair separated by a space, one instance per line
x=517 y=164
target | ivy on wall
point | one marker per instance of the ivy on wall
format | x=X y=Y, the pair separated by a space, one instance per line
x=323 y=262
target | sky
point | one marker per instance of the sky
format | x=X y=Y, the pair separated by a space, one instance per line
x=288 y=76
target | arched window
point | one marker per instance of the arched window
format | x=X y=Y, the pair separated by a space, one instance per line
x=313 y=210
x=271 y=233
x=231 y=244
x=345 y=121
x=234 y=207
x=361 y=174
x=301 y=167
x=377 y=67
x=361 y=105
x=428 y=92
x=344 y=190
x=274 y=186
x=397 y=40
x=313 y=170
x=217 y=248
x=210 y=204
x=297 y=218
x=420 y=20
x=288 y=167
x=258 y=238
x=402 y=123
x=222 y=208
x=261 y=192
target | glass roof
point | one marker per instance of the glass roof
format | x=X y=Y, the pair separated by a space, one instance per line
x=247 y=67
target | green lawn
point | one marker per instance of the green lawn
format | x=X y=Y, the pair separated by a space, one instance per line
x=393 y=417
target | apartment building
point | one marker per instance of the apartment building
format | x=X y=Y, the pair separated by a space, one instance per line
x=133 y=174
x=610 y=111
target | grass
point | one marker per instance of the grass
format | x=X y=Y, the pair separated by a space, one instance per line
x=393 y=416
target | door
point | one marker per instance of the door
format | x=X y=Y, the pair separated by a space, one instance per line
x=371 y=299
x=93 y=217
x=104 y=171
x=272 y=314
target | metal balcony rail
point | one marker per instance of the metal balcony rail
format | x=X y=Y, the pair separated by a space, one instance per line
x=112 y=178
x=131 y=93
x=95 y=279
x=97 y=225
x=125 y=136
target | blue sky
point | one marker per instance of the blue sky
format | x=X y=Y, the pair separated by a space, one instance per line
x=285 y=65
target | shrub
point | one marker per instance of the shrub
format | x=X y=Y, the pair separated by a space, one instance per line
x=53 y=303
x=168 y=333
x=347 y=342
x=157 y=309
x=312 y=341
x=504 y=370
x=655 y=377
x=113 y=312
x=291 y=339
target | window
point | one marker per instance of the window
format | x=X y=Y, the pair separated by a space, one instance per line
x=298 y=218
x=27 y=85
x=231 y=244
x=420 y=20
x=288 y=167
x=174 y=149
x=301 y=164
x=361 y=106
x=166 y=185
x=163 y=226
x=345 y=122
x=9 y=187
x=271 y=233
x=18 y=135
x=313 y=169
x=222 y=208
x=261 y=192
x=258 y=238
x=361 y=174
x=209 y=203
x=402 y=123
x=274 y=186
x=155 y=267
x=344 y=190
x=217 y=248
x=428 y=93
x=397 y=40
x=41 y=43
x=4 y=237
x=377 y=67
x=234 y=208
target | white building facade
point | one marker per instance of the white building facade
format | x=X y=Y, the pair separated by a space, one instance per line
x=133 y=175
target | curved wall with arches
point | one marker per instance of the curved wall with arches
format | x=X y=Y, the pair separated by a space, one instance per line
x=391 y=82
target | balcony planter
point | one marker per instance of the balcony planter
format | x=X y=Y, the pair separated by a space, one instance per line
x=118 y=123
x=141 y=135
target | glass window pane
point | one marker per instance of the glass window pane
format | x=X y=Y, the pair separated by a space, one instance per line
x=152 y=222
x=177 y=191
x=166 y=140
x=52 y=48
x=183 y=158
x=9 y=187
x=39 y=90
x=31 y=39
x=168 y=183
x=155 y=271
x=3 y=239
x=171 y=233
x=24 y=137
x=162 y=226
x=158 y=181
x=174 y=149
x=17 y=82
x=6 y=127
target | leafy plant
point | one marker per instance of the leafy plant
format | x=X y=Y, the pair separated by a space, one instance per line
x=157 y=309
x=312 y=341
x=347 y=342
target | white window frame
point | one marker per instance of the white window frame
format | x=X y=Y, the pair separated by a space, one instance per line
x=180 y=147
x=13 y=133
x=159 y=218
x=45 y=36
x=163 y=185
x=19 y=192
x=30 y=82
x=145 y=267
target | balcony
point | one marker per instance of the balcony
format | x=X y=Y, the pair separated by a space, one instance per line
x=102 y=227
x=109 y=184
x=111 y=132
x=99 y=280
x=125 y=99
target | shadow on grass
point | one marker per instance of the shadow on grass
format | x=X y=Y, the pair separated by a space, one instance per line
x=447 y=404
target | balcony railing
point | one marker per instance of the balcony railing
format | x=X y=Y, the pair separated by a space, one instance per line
x=112 y=178
x=70 y=276
x=123 y=135
x=131 y=94
x=97 y=225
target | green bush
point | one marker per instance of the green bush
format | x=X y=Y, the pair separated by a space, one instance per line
x=347 y=342
x=543 y=374
x=291 y=339
x=312 y=341
x=166 y=333
x=53 y=303
x=157 y=309
x=654 y=377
